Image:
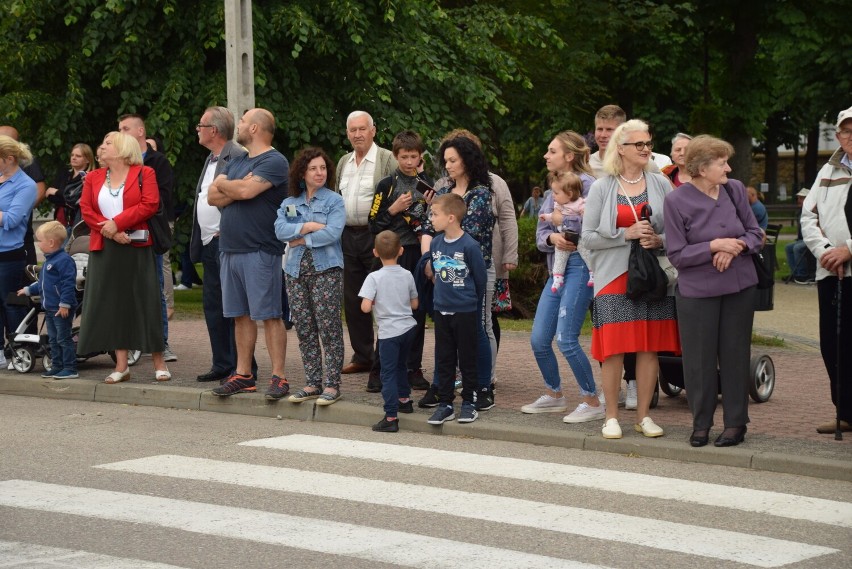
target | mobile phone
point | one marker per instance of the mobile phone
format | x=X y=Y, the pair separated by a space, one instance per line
x=571 y=236
x=137 y=235
x=424 y=188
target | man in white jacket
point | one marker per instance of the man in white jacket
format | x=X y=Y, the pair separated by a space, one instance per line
x=827 y=231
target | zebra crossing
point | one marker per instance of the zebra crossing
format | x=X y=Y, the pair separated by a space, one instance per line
x=358 y=539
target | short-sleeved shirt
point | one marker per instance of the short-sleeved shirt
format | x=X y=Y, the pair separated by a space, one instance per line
x=249 y=225
x=392 y=289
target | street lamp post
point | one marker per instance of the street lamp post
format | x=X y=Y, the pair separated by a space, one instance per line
x=239 y=56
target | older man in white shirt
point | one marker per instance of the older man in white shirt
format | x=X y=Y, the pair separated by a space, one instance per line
x=358 y=173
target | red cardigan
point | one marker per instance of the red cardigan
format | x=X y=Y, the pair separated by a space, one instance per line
x=139 y=205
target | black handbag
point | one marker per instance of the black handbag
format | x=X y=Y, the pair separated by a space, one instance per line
x=762 y=263
x=646 y=280
x=73 y=191
x=158 y=225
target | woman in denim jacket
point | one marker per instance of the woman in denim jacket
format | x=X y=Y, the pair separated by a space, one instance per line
x=311 y=222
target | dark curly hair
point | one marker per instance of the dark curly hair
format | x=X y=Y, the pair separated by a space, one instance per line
x=475 y=164
x=300 y=166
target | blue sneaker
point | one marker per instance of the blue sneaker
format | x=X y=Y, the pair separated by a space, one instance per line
x=468 y=413
x=441 y=414
x=66 y=374
x=51 y=372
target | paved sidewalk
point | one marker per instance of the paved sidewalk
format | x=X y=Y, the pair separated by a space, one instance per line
x=781 y=434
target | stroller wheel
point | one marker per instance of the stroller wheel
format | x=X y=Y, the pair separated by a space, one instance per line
x=669 y=389
x=762 y=378
x=23 y=359
x=132 y=356
x=46 y=362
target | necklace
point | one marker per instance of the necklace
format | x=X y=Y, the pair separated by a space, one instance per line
x=109 y=186
x=636 y=181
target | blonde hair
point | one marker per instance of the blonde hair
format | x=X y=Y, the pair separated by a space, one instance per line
x=576 y=145
x=51 y=230
x=126 y=147
x=17 y=150
x=702 y=150
x=567 y=182
x=87 y=154
x=612 y=162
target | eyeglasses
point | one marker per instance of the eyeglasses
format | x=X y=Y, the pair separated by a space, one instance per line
x=640 y=145
x=199 y=125
x=845 y=133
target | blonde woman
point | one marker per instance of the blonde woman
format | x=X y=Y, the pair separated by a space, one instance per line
x=67 y=188
x=121 y=307
x=17 y=197
x=612 y=220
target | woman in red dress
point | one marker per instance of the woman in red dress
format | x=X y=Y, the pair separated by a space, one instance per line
x=611 y=221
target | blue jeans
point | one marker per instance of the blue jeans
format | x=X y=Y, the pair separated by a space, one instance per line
x=63 y=352
x=561 y=314
x=394 y=354
x=10 y=281
x=159 y=260
x=797 y=259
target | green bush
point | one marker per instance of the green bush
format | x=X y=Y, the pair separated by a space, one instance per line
x=528 y=279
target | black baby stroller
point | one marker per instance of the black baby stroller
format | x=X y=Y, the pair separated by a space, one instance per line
x=27 y=348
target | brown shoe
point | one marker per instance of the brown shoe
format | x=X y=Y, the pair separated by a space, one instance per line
x=828 y=428
x=353 y=367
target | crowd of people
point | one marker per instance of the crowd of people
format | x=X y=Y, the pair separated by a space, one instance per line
x=375 y=234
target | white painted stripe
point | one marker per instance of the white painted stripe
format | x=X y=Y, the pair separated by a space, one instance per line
x=694 y=540
x=744 y=499
x=15 y=554
x=372 y=544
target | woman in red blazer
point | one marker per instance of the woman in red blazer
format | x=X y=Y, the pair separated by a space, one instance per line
x=121 y=306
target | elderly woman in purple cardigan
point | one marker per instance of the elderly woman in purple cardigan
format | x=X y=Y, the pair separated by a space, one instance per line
x=712 y=234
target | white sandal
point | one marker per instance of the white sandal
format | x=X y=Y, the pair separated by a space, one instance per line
x=162 y=375
x=118 y=376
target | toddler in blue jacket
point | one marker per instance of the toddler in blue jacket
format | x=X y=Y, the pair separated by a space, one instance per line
x=56 y=285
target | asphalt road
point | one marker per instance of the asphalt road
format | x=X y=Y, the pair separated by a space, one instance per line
x=88 y=485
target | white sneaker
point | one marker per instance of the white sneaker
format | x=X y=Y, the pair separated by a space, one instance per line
x=183 y=287
x=648 y=428
x=631 y=401
x=611 y=429
x=621 y=398
x=585 y=413
x=546 y=404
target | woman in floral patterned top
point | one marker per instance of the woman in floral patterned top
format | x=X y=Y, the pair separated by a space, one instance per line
x=467 y=167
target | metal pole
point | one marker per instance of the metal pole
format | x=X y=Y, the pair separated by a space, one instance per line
x=239 y=56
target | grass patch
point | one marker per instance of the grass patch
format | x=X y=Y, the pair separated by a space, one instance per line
x=188 y=304
x=772 y=341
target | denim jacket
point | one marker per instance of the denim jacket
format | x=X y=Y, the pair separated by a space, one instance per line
x=325 y=207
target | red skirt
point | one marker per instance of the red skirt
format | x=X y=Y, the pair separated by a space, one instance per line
x=623 y=326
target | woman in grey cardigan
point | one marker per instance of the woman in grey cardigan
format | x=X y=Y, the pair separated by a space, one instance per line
x=611 y=221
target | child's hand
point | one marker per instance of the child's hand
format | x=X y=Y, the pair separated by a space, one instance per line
x=22 y=292
x=62 y=312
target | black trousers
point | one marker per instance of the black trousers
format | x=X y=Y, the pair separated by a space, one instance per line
x=456 y=345
x=716 y=331
x=358 y=262
x=827 y=294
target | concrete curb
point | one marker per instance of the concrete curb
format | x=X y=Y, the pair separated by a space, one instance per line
x=346 y=412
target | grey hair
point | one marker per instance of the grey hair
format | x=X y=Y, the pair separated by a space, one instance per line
x=359 y=114
x=223 y=120
x=680 y=135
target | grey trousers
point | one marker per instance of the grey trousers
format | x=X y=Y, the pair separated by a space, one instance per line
x=716 y=331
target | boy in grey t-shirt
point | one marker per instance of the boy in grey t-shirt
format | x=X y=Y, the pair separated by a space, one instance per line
x=391 y=292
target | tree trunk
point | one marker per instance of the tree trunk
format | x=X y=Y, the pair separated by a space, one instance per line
x=812 y=156
x=740 y=162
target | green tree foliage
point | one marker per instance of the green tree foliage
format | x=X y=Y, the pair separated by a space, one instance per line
x=71 y=67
